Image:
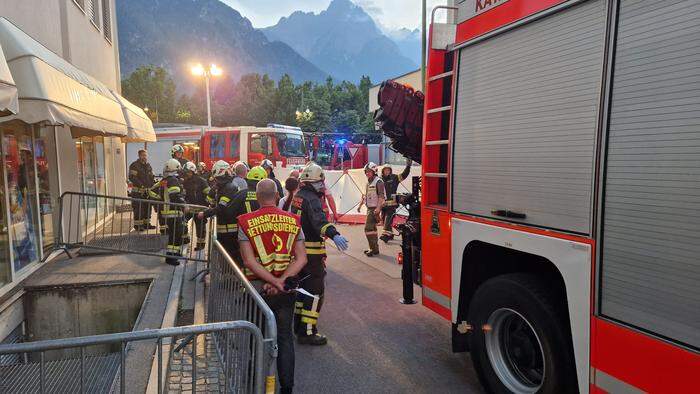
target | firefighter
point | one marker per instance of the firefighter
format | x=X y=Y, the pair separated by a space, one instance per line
x=391 y=185
x=169 y=190
x=142 y=179
x=306 y=203
x=196 y=192
x=269 y=168
x=226 y=226
x=177 y=152
x=245 y=201
x=203 y=171
x=268 y=238
x=373 y=199
x=240 y=172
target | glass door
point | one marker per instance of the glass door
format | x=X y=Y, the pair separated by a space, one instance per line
x=47 y=175
x=20 y=174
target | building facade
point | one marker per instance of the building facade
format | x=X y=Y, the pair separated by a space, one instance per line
x=69 y=129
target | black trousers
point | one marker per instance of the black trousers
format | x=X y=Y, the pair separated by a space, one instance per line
x=307 y=309
x=176 y=231
x=389 y=213
x=142 y=211
x=200 y=229
x=282 y=306
x=230 y=243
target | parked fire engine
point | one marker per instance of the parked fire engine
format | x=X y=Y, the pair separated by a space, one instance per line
x=284 y=145
x=560 y=193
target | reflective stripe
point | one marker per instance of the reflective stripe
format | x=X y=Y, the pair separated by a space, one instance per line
x=224 y=199
x=309 y=320
x=174 y=189
x=436 y=297
x=313 y=314
x=299 y=304
x=153 y=194
x=310 y=244
x=325 y=227
x=248 y=208
x=315 y=251
x=206 y=190
x=612 y=384
x=229 y=226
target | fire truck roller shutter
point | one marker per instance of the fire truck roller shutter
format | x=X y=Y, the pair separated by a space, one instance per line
x=526 y=119
x=651 y=218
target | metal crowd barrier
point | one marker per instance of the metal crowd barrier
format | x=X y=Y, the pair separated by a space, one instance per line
x=95 y=222
x=232 y=297
x=79 y=375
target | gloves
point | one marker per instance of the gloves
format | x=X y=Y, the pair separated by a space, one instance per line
x=340 y=242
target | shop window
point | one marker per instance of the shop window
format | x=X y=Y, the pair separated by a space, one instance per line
x=91 y=169
x=47 y=177
x=22 y=197
x=5 y=262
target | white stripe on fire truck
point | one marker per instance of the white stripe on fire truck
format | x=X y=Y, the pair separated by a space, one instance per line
x=612 y=384
x=436 y=297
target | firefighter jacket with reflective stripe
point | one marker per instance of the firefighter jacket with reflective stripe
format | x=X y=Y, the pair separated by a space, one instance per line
x=246 y=201
x=272 y=233
x=141 y=178
x=307 y=204
x=196 y=190
x=374 y=191
x=391 y=185
x=169 y=190
x=225 y=217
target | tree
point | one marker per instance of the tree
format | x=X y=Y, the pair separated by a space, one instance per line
x=153 y=88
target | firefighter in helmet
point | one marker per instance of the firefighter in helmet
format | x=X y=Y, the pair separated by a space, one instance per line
x=203 y=171
x=177 y=152
x=169 y=190
x=391 y=185
x=142 y=179
x=226 y=226
x=246 y=201
x=196 y=191
x=269 y=168
x=307 y=204
x=373 y=199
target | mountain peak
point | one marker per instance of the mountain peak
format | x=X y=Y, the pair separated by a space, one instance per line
x=343 y=39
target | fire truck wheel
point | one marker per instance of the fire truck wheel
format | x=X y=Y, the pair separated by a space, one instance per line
x=519 y=343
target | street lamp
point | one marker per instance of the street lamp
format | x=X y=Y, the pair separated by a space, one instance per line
x=213 y=71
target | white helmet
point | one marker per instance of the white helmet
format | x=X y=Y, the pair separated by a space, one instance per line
x=189 y=166
x=236 y=164
x=202 y=166
x=312 y=173
x=172 y=166
x=221 y=169
x=267 y=164
x=371 y=167
x=175 y=149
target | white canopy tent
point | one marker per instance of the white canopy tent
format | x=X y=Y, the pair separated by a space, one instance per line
x=8 y=90
x=140 y=127
x=53 y=91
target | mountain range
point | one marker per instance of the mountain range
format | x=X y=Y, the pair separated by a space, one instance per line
x=343 y=42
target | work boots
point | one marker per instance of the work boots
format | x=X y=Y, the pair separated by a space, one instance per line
x=312 y=340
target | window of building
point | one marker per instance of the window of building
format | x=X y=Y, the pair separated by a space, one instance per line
x=93 y=12
x=47 y=176
x=91 y=169
x=22 y=196
x=107 y=20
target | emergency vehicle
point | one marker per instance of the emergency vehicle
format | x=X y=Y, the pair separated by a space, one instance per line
x=284 y=145
x=560 y=215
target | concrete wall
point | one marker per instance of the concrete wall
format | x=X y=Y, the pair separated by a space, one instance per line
x=72 y=311
x=63 y=27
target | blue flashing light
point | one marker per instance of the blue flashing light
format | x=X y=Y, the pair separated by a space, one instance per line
x=341 y=141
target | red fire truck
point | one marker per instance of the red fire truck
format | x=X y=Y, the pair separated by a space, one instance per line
x=560 y=203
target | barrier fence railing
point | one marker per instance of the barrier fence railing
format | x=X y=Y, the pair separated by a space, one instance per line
x=232 y=297
x=130 y=225
x=109 y=372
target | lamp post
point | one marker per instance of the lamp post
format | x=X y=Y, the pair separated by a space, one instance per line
x=207 y=73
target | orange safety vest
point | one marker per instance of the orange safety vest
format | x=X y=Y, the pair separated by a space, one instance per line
x=272 y=233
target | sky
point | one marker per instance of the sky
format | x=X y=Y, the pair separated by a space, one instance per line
x=390 y=14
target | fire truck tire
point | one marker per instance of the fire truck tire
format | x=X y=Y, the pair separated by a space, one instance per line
x=519 y=343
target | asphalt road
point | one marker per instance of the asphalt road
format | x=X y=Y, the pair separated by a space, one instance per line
x=377 y=345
